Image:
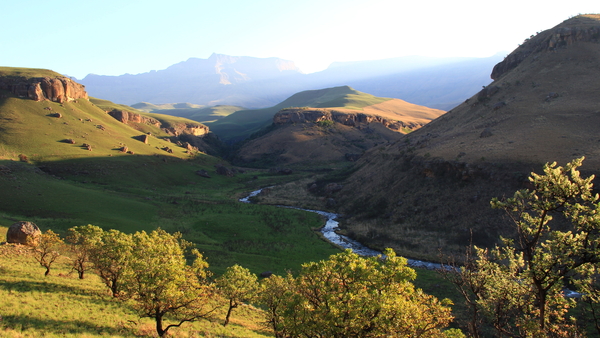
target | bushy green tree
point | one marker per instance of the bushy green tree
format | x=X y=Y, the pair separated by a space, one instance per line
x=523 y=279
x=47 y=248
x=238 y=285
x=352 y=296
x=81 y=240
x=110 y=255
x=161 y=283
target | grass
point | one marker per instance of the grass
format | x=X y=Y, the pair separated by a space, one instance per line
x=148 y=193
x=191 y=111
x=27 y=72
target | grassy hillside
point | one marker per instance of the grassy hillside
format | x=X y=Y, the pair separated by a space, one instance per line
x=190 y=111
x=242 y=124
x=59 y=184
x=29 y=128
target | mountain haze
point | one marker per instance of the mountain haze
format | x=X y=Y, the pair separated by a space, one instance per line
x=220 y=79
x=259 y=83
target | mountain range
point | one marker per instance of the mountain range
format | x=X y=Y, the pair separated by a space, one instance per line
x=262 y=82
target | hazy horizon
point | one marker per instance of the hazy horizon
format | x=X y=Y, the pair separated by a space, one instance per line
x=114 y=37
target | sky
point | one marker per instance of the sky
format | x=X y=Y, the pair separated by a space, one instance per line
x=108 y=37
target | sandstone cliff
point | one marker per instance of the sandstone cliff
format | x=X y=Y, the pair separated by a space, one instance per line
x=172 y=128
x=358 y=120
x=59 y=89
x=126 y=117
x=178 y=129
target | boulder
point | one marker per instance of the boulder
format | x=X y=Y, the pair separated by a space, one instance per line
x=23 y=233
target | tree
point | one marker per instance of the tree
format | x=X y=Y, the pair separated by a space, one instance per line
x=238 y=285
x=47 y=249
x=275 y=292
x=161 y=283
x=523 y=279
x=82 y=240
x=110 y=256
x=353 y=296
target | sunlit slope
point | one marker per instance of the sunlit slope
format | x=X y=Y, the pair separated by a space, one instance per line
x=242 y=124
x=31 y=128
x=190 y=111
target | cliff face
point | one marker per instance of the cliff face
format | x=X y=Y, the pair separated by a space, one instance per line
x=289 y=116
x=187 y=129
x=58 y=89
x=175 y=129
x=128 y=117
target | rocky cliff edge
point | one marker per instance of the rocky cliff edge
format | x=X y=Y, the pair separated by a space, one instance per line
x=59 y=89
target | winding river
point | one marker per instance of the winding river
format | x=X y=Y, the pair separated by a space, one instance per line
x=329 y=232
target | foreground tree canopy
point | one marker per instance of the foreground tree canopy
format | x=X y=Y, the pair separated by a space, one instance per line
x=352 y=296
x=518 y=287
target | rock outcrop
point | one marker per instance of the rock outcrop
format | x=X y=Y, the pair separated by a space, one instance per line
x=126 y=117
x=22 y=233
x=186 y=129
x=315 y=115
x=175 y=129
x=59 y=89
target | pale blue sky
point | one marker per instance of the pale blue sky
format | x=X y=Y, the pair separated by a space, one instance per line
x=113 y=37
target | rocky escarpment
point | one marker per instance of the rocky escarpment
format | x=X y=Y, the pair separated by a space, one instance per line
x=175 y=129
x=179 y=129
x=299 y=115
x=126 y=117
x=548 y=41
x=59 y=89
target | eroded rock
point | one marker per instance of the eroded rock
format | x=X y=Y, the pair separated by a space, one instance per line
x=23 y=233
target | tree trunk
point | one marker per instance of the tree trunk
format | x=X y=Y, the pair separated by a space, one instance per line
x=114 y=288
x=159 y=325
x=47 y=271
x=232 y=305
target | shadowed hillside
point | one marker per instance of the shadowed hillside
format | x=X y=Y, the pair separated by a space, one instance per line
x=431 y=189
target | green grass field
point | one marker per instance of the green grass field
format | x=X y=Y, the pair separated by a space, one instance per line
x=132 y=194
